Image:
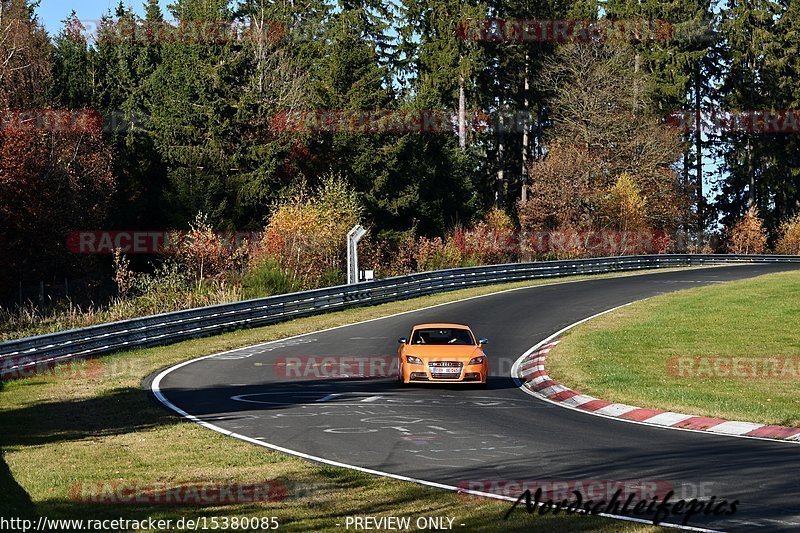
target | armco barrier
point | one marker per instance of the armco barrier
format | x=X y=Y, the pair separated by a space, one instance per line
x=17 y=355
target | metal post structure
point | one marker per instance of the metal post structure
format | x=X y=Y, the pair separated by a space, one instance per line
x=353 y=236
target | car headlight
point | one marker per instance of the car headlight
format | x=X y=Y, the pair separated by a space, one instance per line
x=411 y=360
x=477 y=360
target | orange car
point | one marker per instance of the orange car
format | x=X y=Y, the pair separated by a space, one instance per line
x=442 y=353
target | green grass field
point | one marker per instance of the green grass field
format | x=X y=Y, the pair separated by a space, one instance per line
x=102 y=426
x=729 y=350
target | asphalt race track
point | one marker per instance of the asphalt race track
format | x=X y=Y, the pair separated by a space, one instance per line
x=454 y=435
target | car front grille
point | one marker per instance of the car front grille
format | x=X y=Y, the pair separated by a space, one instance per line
x=445 y=376
x=436 y=366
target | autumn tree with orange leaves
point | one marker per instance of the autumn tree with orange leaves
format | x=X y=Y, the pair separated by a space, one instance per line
x=306 y=235
x=608 y=151
x=55 y=172
x=789 y=239
x=748 y=235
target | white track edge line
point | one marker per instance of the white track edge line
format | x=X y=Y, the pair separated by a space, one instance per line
x=155 y=388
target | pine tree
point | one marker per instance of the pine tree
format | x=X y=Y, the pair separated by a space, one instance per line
x=351 y=78
x=73 y=65
x=194 y=91
x=670 y=38
x=283 y=43
x=784 y=61
x=748 y=27
x=510 y=85
x=442 y=68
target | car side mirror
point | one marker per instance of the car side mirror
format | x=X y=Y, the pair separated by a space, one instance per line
x=483 y=341
x=401 y=340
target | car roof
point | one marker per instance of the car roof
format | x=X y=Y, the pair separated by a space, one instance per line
x=435 y=325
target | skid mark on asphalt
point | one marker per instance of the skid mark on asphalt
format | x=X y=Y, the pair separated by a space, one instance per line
x=250 y=351
x=439 y=455
x=430 y=439
x=329 y=397
x=326 y=399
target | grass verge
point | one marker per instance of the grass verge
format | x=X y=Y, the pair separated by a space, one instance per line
x=98 y=426
x=729 y=351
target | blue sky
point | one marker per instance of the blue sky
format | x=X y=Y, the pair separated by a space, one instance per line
x=52 y=12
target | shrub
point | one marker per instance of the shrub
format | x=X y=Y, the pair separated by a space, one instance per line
x=124 y=277
x=266 y=278
x=748 y=235
x=306 y=235
x=437 y=254
x=169 y=288
x=662 y=243
x=393 y=256
x=491 y=241
x=166 y=288
x=204 y=255
x=624 y=208
x=557 y=197
x=789 y=240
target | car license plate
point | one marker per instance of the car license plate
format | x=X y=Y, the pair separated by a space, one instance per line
x=445 y=370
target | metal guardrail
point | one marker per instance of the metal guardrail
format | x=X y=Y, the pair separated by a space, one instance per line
x=167 y=328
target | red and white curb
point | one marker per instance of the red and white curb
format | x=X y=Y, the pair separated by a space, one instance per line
x=531 y=376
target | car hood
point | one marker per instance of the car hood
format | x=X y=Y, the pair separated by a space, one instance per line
x=432 y=352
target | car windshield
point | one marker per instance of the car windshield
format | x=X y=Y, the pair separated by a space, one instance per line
x=440 y=336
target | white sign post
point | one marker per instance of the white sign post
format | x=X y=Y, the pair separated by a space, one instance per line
x=353 y=236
